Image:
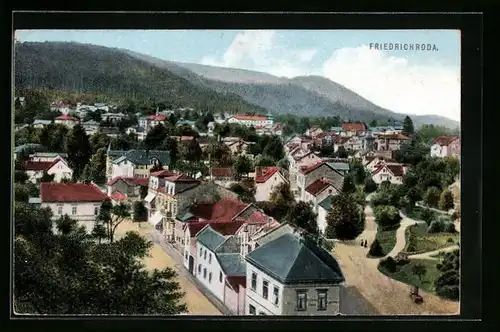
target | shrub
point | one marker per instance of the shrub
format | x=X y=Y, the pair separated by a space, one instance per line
x=431 y=197
x=376 y=249
x=427 y=216
x=449 y=292
x=370 y=185
x=327 y=245
x=389 y=264
x=446 y=201
x=381 y=198
x=450 y=240
x=386 y=215
x=436 y=227
x=454 y=216
x=450 y=228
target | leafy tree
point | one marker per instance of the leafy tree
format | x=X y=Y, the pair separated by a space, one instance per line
x=274 y=149
x=389 y=264
x=99 y=231
x=345 y=221
x=282 y=199
x=95 y=170
x=448 y=283
x=431 y=197
x=370 y=185
x=20 y=176
x=437 y=226
x=341 y=152
x=245 y=191
x=191 y=151
x=375 y=249
x=169 y=144
x=302 y=215
x=360 y=174
x=46 y=177
x=156 y=167
x=386 y=215
x=284 y=164
x=155 y=136
x=143 y=192
x=264 y=161
x=450 y=228
x=446 y=201
x=123 y=142
x=99 y=140
x=112 y=216
x=78 y=149
x=140 y=212
x=413 y=195
x=348 y=185
x=408 y=128
x=66 y=225
x=22 y=192
x=427 y=215
x=243 y=165
x=419 y=270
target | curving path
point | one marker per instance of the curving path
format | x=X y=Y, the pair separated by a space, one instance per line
x=401 y=234
x=429 y=254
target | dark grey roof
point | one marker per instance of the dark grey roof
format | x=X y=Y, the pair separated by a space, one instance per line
x=210 y=238
x=294 y=260
x=326 y=203
x=232 y=264
x=28 y=146
x=142 y=157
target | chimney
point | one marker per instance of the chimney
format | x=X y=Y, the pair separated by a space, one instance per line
x=109 y=190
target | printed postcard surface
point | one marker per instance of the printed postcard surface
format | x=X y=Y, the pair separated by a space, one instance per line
x=226 y=172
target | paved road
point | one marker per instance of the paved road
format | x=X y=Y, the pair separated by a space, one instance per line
x=157 y=238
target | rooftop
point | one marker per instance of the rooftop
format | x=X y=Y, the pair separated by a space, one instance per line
x=262 y=174
x=232 y=264
x=70 y=192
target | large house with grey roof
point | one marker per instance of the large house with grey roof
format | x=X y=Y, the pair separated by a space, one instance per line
x=320 y=170
x=134 y=163
x=292 y=275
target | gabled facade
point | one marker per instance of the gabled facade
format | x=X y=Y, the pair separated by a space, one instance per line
x=353 y=129
x=319 y=190
x=388 y=172
x=251 y=120
x=446 y=146
x=308 y=175
x=134 y=163
x=390 y=142
x=266 y=180
x=151 y=121
x=67 y=120
x=58 y=167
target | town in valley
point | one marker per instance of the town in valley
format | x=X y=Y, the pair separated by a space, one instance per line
x=201 y=203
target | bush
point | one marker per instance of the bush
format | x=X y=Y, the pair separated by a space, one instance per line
x=386 y=215
x=446 y=201
x=449 y=292
x=370 y=185
x=436 y=227
x=450 y=228
x=431 y=197
x=427 y=216
x=381 y=198
x=450 y=240
x=375 y=249
x=389 y=264
x=454 y=216
x=327 y=245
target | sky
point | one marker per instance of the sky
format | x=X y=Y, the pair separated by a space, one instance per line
x=405 y=81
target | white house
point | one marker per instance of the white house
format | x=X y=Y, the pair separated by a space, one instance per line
x=279 y=283
x=134 y=163
x=388 y=172
x=139 y=131
x=80 y=201
x=266 y=180
x=58 y=167
x=353 y=129
x=324 y=208
x=251 y=120
x=314 y=131
x=39 y=124
x=151 y=121
x=442 y=146
x=47 y=156
x=90 y=127
x=319 y=190
x=67 y=120
x=321 y=170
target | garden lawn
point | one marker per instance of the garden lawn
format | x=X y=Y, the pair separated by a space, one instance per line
x=416 y=213
x=405 y=274
x=419 y=241
x=387 y=238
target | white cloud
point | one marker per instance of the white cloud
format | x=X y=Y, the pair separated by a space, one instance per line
x=396 y=84
x=257 y=50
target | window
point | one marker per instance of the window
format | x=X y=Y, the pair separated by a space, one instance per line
x=186 y=255
x=201 y=251
x=262 y=314
x=276 y=298
x=301 y=300
x=254 y=281
x=73 y=210
x=209 y=258
x=322 y=299
x=210 y=277
x=96 y=210
x=251 y=309
x=204 y=273
x=199 y=268
x=205 y=255
x=265 y=289
x=220 y=276
x=59 y=209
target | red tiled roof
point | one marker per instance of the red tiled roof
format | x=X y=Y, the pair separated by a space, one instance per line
x=341 y=140
x=308 y=169
x=118 y=196
x=70 y=192
x=131 y=181
x=260 y=127
x=66 y=117
x=445 y=140
x=353 y=126
x=222 y=172
x=180 y=178
x=257 y=217
x=400 y=137
x=39 y=165
x=396 y=169
x=250 y=117
x=163 y=173
x=157 y=117
x=318 y=186
x=227 y=209
x=223 y=227
x=202 y=210
x=262 y=174
x=236 y=281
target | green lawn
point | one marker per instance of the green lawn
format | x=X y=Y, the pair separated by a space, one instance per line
x=416 y=212
x=387 y=238
x=404 y=274
x=419 y=241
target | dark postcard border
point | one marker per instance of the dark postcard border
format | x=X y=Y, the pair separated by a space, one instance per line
x=471 y=26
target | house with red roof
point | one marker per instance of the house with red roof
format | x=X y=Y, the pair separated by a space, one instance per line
x=251 y=120
x=313 y=131
x=67 y=120
x=126 y=188
x=319 y=190
x=80 y=201
x=388 y=172
x=353 y=129
x=266 y=180
x=223 y=176
x=446 y=146
x=58 y=167
x=371 y=162
x=150 y=121
x=320 y=170
x=390 y=141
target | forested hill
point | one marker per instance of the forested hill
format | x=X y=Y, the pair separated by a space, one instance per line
x=87 y=68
